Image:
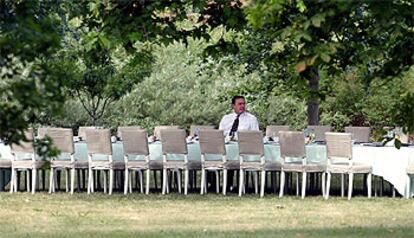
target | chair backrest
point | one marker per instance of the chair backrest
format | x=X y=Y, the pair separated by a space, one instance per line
x=292 y=144
x=359 y=133
x=195 y=129
x=338 y=145
x=173 y=141
x=25 y=146
x=82 y=131
x=41 y=132
x=319 y=132
x=273 y=130
x=158 y=129
x=62 y=138
x=99 y=141
x=212 y=142
x=122 y=128
x=251 y=143
x=135 y=141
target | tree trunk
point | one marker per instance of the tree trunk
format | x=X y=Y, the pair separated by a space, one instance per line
x=313 y=100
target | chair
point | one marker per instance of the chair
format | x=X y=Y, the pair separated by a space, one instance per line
x=251 y=144
x=339 y=161
x=195 y=129
x=135 y=143
x=360 y=134
x=99 y=143
x=319 y=132
x=28 y=161
x=292 y=145
x=5 y=164
x=212 y=144
x=62 y=139
x=158 y=129
x=121 y=128
x=174 y=143
x=410 y=171
x=272 y=131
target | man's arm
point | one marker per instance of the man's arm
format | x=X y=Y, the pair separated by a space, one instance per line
x=223 y=126
x=254 y=124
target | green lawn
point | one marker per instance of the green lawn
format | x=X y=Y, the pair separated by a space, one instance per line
x=97 y=215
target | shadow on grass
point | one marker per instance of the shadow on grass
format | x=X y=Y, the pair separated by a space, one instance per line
x=337 y=232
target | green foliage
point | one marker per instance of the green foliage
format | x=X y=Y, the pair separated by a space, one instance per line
x=73 y=115
x=336 y=34
x=380 y=103
x=187 y=89
x=29 y=84
x=332 y=36
x=284 y=109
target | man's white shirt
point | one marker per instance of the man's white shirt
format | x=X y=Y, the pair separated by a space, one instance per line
x=246 y=122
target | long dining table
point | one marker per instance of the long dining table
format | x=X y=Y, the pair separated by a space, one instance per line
x=387 y=162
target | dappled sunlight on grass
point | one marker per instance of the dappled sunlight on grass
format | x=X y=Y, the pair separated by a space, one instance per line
x=212 y=215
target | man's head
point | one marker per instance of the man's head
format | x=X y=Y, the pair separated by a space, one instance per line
x=239 y=104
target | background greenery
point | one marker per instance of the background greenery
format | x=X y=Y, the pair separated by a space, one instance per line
x=111 y=63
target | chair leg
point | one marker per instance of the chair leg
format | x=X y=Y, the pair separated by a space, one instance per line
x=16 y=181
x=130 y=180
x=351 y=181
x=111 y=180
x=203 y=179
x=93 y=181
x=241 y=182
x=51 y=180
x=168 y=181
x=297 y=184
x=224 y=181
x=126 y=181
x=27 y=181
x=328 y=185
x=323 y=184
x=141 y=185
x=303 y=184
x=262 y=183
x=186 y=175
x=67 y=179
x=245 y=181
x=342 y=185
x=98 y=178
x=89 y=181
x=164 y=181
x=282 y=183
x=12 y=178
x=369 y=183
x=147 y=181
x=408 y=187
x=178 y=174
x=72 y=180
x=34 y=180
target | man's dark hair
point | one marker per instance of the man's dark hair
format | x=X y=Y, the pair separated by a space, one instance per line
x=233 y=99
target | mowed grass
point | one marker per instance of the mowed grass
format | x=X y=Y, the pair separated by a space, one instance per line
x=175 y=215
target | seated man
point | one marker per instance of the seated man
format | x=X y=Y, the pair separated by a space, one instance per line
x=239 y=119
x=233 y=122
